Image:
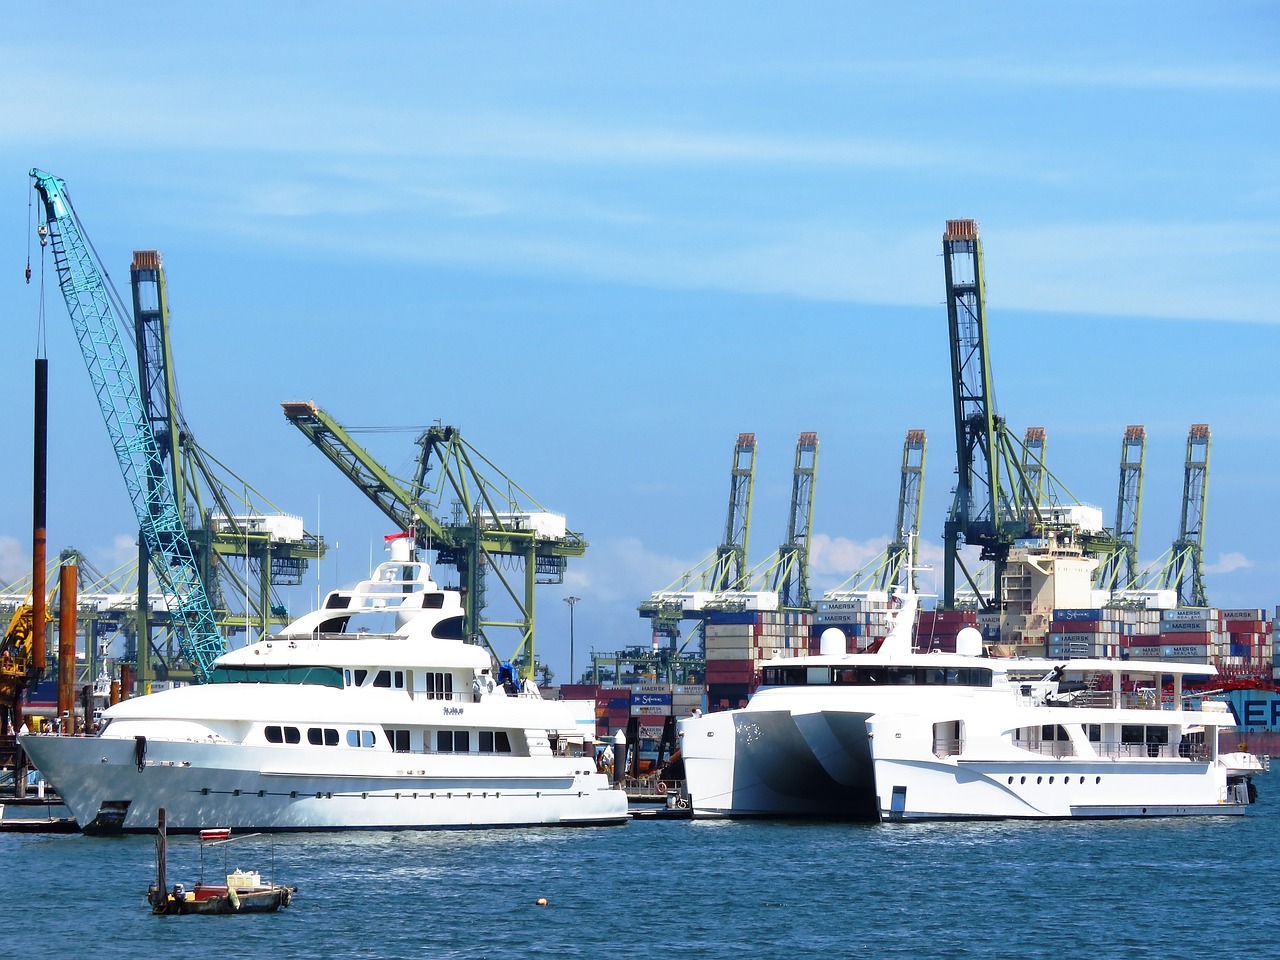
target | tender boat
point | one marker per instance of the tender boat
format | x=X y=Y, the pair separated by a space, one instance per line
x=243 y=892
x=897 y=735
x=371 y=712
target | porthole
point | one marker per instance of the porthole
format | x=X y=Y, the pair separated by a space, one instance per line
x=1011 y=779
x=1023 y=780
x=1051 y=780
x=1097 y=779
x=1039 y=779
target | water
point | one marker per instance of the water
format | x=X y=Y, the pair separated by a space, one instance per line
x=1169 y=888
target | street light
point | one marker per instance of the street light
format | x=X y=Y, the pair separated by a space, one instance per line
x=571 y=601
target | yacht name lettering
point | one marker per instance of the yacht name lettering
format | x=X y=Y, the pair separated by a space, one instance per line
x=453 y=711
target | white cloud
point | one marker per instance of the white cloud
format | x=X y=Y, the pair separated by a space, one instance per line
x=1229 y=563
x=15 y=560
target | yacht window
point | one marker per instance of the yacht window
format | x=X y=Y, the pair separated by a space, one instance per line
x=382 y=679
x=283 y=734
x=360 y=677
x=320 y=676
x=439 y=686
x=450 y=628
x=399 y=740
x=322 y=736
x=397 y=679
x=818 y=675
x=433 y=601
x=453 y=741
x=359 y=738
x=494 y=741
x=1095 y=732
x=346 y=678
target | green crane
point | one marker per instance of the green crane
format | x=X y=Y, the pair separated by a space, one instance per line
x=993 y=505
x=791 y=576
x=489 y=520
x=245 y=547
x=1185 y=571
x=910 y=504
x=1120 y=569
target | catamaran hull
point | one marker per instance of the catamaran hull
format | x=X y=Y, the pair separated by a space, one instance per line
x=778 y=764
x=114 y=785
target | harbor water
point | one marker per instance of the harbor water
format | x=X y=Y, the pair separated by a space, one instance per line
x=1169 y=888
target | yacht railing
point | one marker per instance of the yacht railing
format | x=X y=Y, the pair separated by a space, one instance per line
x=1112 y=750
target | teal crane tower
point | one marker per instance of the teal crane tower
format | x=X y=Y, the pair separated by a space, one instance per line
x=97 y=328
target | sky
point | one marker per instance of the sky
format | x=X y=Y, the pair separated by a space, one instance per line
x=604 y=239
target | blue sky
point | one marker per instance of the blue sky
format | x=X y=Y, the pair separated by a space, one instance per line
x=604 y=239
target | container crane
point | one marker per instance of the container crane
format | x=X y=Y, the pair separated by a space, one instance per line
x=89 y=303
x=1000 y=496
x=488 y=520
x=993 y=505
x=693 y=594
x=730 y=570
x=1119 y=571
x=235 y=531
x=791 y=578
x=1034 y=447
x=1185 y=572
x=910 y=505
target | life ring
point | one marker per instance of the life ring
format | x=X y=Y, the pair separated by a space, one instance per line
x=662 y=787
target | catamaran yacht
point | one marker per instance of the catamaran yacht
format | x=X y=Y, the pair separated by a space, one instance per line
x=371 y=712
x=898 y=735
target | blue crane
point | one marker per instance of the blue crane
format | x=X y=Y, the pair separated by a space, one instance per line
x=84 y=287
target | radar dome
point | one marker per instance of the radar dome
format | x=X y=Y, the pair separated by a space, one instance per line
x=969 y=642
x=832 y=642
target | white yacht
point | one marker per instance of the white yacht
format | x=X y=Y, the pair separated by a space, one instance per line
x=371 y=712
x=897 y=735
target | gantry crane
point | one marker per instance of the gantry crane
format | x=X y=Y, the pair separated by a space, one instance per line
x=490 y=519
x=910 y=503
x=97 y=328
x=1185 y=571
x=993 y=505
x=1000 y=497
x=730 y=570
x=244 y=546
x=1034 y=447
x=1119 y=571
x=791 y=577
x=694 y=594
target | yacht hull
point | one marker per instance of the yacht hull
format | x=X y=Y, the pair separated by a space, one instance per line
x=108 y=787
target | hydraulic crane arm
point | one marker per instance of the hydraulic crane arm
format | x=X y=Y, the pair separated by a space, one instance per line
x=97 y=330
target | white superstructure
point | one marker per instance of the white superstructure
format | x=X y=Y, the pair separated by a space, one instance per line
x=897 y=735
x=368 y=713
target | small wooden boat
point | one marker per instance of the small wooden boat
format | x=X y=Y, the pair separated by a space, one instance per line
x=243 y=892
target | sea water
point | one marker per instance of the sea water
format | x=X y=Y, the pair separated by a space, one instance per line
x=1177 y=888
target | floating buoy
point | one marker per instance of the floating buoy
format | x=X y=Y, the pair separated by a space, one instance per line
x=541 y=901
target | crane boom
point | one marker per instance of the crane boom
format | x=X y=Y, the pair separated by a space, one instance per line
x=97 y=329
